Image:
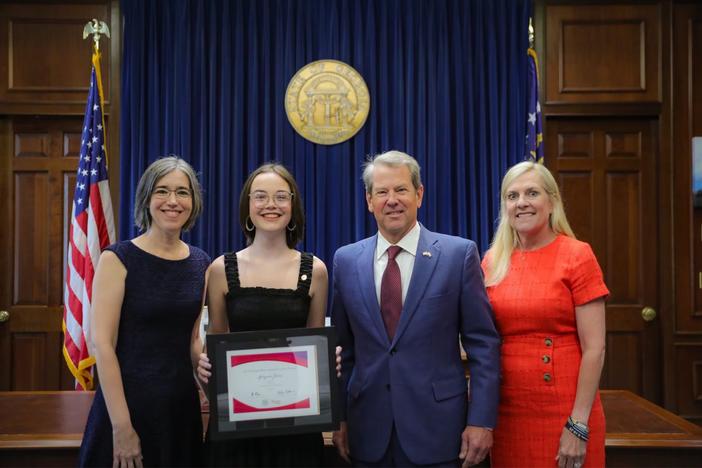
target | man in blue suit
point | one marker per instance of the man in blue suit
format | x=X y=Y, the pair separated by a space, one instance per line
x=401 y=300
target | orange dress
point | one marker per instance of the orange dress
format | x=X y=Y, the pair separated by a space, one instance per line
x=534 y=307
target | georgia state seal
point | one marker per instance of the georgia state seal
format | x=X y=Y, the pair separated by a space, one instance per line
x=327 y=102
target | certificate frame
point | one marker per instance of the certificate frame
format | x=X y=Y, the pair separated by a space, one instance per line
x=272 y=382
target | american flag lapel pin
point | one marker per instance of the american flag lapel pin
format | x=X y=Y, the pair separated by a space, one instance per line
x=426 y=253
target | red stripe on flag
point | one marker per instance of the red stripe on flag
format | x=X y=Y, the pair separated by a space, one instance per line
x=72 y=348
x=78 y=256
x=89 y=273
x=76 y=307
x=82 y=222
x=84 y=351
x=99 y=214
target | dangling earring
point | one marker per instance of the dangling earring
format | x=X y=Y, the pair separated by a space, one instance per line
x=291 y=229
x=249 y=228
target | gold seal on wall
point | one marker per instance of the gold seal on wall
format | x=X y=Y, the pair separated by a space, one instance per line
x=327 y=102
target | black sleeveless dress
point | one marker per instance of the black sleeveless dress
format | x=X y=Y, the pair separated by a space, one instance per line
x=162 y=300
x=258 y=308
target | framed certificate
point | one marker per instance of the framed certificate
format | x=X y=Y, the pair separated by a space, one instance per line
x=272 y=382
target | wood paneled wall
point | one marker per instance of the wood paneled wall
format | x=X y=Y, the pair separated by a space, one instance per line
x=44 y=61
x=686 y=340
x=606 y=169
x=606 y=53
x=623 y=96
x=44 y=80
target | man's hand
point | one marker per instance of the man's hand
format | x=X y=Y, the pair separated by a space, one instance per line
x=475 y=445
x=338 y=361
x=204 y=368
x=341 y=442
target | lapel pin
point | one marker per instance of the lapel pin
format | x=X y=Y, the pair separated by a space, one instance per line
x=426 y=253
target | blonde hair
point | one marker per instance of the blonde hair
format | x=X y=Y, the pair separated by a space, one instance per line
x=506 y=239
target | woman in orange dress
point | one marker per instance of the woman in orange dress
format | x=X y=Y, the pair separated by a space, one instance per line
x=547 y=293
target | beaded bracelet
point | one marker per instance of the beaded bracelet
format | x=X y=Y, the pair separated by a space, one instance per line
x=578 y=429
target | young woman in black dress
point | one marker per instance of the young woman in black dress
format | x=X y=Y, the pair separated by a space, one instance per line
x=267 y=285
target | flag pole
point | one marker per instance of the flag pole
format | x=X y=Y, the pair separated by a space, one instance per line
x=97 y=29
x=534 y=134
x=92 y=225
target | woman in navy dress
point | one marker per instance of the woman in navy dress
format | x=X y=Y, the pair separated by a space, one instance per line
x=147 y=296
x=267 y=285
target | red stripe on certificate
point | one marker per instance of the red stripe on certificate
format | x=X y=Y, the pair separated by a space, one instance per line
x=240 y=407
x=294 y=357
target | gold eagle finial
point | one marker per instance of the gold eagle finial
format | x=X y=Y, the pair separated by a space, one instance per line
x=96 y=28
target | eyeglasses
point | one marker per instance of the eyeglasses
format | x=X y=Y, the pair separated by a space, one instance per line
x=280 y=198
x=180 y=192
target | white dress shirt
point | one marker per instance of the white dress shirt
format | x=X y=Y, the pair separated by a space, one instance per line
x=405 y=259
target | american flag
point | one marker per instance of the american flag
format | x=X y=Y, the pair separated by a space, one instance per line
x=535 y=136
x=92 y=229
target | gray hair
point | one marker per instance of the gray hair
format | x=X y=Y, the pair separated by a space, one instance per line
x=147 y=183
x=393 y=159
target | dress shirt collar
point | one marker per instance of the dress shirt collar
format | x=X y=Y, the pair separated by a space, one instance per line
x=408 y=243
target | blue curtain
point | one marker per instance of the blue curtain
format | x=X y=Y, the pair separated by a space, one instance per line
x=206 y=80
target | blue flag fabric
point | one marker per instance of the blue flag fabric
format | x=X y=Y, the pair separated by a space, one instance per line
x=534 y=136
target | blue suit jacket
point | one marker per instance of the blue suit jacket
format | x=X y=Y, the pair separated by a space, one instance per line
x=416 y=381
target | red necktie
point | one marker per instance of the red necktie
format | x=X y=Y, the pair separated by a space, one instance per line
x=391 y=292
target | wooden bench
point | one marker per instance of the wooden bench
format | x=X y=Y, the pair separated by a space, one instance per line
x=640 y=433
x=45 y=429
x=42 y=428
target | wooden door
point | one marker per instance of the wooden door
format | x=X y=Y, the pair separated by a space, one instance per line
x=38 y=161
x=683 y=378
x=606 y=170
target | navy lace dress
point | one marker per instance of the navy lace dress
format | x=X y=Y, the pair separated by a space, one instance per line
x=258 y=308
x=161 y=303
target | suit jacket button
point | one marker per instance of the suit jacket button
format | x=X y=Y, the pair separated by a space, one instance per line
x=387 y=386
x=393 y=351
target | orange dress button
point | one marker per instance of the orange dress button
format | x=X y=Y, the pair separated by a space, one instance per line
x=547 y=377
x=548 y=341
x=546 y=359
